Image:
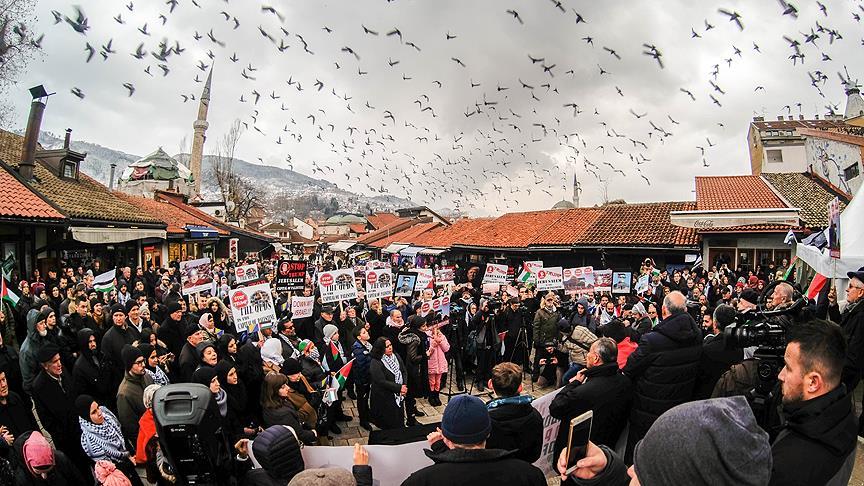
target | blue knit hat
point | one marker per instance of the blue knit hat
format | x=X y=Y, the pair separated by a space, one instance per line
x=466 y=420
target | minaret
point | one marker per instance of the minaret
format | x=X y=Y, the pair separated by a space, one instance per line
x=576 y=190
x=199 y=137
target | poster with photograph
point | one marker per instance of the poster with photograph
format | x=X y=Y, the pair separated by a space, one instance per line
x=290 y=276
x=251 y=307
x=445 y=275
x=442 y=305
x=621 y=282
x=550 y=278
x=246 y=273
x=336 y=285
x=495 y=274
x=834 y=228
x=579 y=280
x=195 y=276
x=302 y=306
x=405 y=283
x=379 y=283
x=424 y=278
x=603 y=280
x=643 y=283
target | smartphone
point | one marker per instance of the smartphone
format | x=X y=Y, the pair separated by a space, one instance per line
x=577 y=441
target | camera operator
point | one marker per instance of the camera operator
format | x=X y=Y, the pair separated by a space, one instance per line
x=510 y=319
x=460 y=300
x=487 y=343
x=545 y=326
x=852 y=323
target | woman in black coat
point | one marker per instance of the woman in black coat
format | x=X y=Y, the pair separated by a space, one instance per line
x=387 y=376
x=89 y=375
x=278 y=409
x=416 y=344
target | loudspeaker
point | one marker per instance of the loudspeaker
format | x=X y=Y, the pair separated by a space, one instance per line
x=179 y=411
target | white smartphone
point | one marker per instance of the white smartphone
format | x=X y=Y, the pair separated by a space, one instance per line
x=577 y=441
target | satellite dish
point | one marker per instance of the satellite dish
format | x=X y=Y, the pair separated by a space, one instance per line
x=230 y=205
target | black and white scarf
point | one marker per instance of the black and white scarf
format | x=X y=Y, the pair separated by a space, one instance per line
x=391 y=362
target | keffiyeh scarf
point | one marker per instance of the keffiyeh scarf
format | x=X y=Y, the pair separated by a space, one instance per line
x=104 y=441
x=392 y=364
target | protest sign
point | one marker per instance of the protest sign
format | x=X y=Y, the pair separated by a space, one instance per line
x=246 y=273
x=379 y=283
x=392 y=464
x=621 y=282
x=376 y=264
x=337 y=285
x=405 y=283
x=424 y=278
x=495 y=274
x=442 y=305
x=290 y=276
x=528 y=273
x=834 y=228
x=550 y=433
x=603 y=280
x=445 y=275
x=195 y=276
x=643 y=283
x=251 y=307
x=302 y=306
x=550 y=278
x=490 y=288
x=579 y=280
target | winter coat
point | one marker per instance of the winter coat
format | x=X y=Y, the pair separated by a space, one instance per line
x=10 y=361
x=852 y=323
x=415 y=361
x=111 y=346
x=817 y=444
x=664 y=369
x=438 y=345
x=577 y=344
x=384 y=411
x=586 y=320
x=545 y=326
x=89 y=374
x=30 y=366
x=64 y=473
x=17 y=416
x=516 y=426
x=130 y=402
x=312 y=370
x=171 y=333
x=55 y=406
x=469 y=467
x=287 y=415
x=717 y=358
x=360 y=368
x=607 y=392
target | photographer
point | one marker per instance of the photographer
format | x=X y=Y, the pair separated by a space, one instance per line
x=510 y=320
x=545 y=326
x=487 y=343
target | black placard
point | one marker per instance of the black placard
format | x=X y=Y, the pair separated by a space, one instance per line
x=290 y=276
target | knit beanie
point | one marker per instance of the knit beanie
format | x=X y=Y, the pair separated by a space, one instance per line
x=204 y=376
x=173 y=307
x=148 y=394
x=47 y=352
x=117 y=308
x=751 y=296
x=716 y=442
x=82 y=406
x=330 y=330
x=131 y=304
x=191 y=329
x=128 y=355
x=271 y=351
x=43 y=315
x=327 y=476
x=202 y=346
x=37 y=452
x=466 y=420
x=108 y=475
x=291 y=367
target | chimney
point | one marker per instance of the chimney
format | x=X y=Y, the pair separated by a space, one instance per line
x=800 y=117
x=31 y=138
x=779 y=117
x=68 y=139
x=758 y=118
x=817 y=117
x=113 y=165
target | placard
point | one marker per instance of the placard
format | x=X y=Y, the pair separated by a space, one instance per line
x=528 y=274
x=550 y=278
x=834 y=228
x=233 y=253
x=424 y=278
x=379 y=283
x=246 y=273
x=302 y=306
x=445 y=275
x=603 y=280
x=579 y=280
x=642 y=283
x=251 y=307
x=195 y=276
x=405 y=282
x=337 y=285
x=442 y=305
x=495 y=274
x=621 y=282
x=290 y=276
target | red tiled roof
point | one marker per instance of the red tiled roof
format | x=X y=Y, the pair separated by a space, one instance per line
x=18 y=201
x=396 y=225
x=408 y=235
x=645 y=224
x=212 y=221
x=358 y=228
x=444 y=236
x=174 y=217
x=735 y=192
x=513 y=230
x=379 y=220
x=570 y=227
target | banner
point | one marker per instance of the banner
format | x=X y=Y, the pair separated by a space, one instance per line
x=550 y=432
x=424 y=278
x=550 y=278
x=445 y=275
x=834 y=228
x=579 y=280
x=290 y=276
x=529 y=271
x=621 y=282
x=337 y=285
x=379 y=283
x=405 y=283
x=302 y=306
x=495 y=274
x=603 y=280
x=391 y=464
x=195 y=276
x=233 y=253
x=246 y=273
x=251 y=307
x=442 y=305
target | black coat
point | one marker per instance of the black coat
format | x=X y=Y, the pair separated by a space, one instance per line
x=819 y=436
x=63 y=473
x=664 y=369
x=716 y=359
x=10 y=362
x=17 y=416
x=55 y=406
x=416 y=362
x=470 y=467
x=852 y=323
x=287 y=415
x=516 y=427
x=171 y=333
x=382 y=403
x=607 y=392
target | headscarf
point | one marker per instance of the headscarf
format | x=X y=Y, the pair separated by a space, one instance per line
x=82 y=406
x=204 y=376
x=204 y=320
x=108 y=475
x=37 y=453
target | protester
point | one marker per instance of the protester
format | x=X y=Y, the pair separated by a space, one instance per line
x=278 y=409
x=39 y=464
x=718 y=355
x=851 y=320
x=277 y=449
x=16 y=416
x=516 y=425
x=436 y=362
x=413 y=337
x=545 y=327
x=387 y=377
x=360 y=351
x=130 y=394
x=102 y=439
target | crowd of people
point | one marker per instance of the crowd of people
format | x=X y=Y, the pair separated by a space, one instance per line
x=79 y=369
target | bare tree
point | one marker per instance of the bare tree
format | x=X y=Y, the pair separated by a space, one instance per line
x=240 y=195
x=18 y=46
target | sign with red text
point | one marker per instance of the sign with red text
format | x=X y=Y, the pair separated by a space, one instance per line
x=337 y=285
x=495 y=274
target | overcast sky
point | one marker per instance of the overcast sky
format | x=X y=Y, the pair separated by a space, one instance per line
x=522 y=139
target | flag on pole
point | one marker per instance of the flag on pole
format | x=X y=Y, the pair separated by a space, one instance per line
x=7 y=295
x=342 y=374
x=790 y=238
x=104 y=282
x=8 y=264
x=791 y=267
x=816 y=285
x=334 y=350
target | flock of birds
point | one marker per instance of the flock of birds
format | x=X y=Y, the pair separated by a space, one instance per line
x=410 y=149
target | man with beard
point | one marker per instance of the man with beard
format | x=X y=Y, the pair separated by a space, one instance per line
x=817 y=442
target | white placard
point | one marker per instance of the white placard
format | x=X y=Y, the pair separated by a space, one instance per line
x=550 y=278
x=424 y=278
x=246 y=273
x=550 y=433
x=603 y=280
x=337 y=285
x=302 y=306
x=251 y=307
x=495 y=274
x=379 y=283
x=196 y=276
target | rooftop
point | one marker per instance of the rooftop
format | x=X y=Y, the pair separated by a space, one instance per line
x=174 y=217
x=17 y=201
x=735 y=192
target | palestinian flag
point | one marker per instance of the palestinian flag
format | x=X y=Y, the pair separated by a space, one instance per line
x=791 y=267
x=7 y=295
x=334 y=350
x=104 y=282
x=816 y=285
x=343 y=373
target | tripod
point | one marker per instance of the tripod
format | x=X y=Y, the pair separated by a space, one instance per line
x=522 y=341
x=454 y=360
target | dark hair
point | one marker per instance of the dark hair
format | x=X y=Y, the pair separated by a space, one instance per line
x=822 y=348
x=270 y=393
x=724 y=315
x=378 y=348
x=506 y=378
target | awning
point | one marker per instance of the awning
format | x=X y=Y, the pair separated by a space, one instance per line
x=411 y=251
x=342 y=245
x=394 y=248
x=432 y=251
x=726 y=218
x=278 y=247
x=196 y=231
x=97 y=236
